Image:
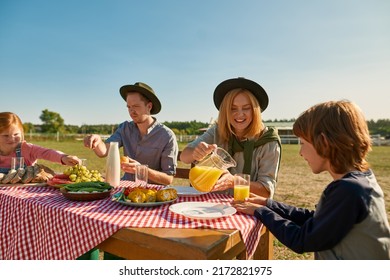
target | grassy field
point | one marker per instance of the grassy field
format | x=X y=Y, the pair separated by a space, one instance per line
x=296 y=184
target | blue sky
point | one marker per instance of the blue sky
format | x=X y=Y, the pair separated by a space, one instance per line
x=71 y=57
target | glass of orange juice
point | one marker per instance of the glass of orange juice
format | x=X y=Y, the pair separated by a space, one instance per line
x=241 y=186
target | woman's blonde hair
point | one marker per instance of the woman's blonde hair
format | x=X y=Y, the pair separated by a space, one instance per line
x=225 y=128
x=7 y=119
x=338 y=131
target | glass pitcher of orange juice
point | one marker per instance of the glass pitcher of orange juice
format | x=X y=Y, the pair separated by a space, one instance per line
x=206 y=173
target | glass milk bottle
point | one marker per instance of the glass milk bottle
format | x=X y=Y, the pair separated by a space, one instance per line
x=113 y=166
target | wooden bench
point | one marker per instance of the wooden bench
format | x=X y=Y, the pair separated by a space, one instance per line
x=182 y=172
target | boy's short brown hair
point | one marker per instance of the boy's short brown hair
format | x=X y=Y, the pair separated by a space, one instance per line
x=338 y=131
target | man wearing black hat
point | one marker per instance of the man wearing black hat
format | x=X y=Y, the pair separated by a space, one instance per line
x=144 y=139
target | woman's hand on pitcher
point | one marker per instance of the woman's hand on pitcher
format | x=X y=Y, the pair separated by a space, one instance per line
x=202 y=150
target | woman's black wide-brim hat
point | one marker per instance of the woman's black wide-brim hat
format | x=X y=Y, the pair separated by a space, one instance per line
x=223 y=88
x=146 y=91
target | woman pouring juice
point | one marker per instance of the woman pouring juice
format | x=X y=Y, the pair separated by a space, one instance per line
x=240 y=130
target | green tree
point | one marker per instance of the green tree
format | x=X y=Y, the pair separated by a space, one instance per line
x=52 y=122
x=28 y=127
x=381 y=126
x=191 y=128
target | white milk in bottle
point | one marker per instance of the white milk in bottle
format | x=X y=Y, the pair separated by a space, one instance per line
x=113 y=166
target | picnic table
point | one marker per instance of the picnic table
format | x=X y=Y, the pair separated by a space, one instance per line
x=40 y=223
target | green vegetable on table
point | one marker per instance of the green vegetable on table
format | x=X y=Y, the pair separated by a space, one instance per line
x=88 y=187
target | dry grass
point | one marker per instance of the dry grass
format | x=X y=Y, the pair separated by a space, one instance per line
x=296 y=184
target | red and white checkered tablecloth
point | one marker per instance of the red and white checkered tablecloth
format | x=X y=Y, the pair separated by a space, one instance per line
x=39 y=223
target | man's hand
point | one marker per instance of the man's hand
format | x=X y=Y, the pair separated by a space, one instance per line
x=92 y=141
x=129 y=165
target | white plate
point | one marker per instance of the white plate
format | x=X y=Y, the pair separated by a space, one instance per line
x=186 y=191
x=202 y=210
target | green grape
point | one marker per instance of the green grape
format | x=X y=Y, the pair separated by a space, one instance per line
x=81 y=173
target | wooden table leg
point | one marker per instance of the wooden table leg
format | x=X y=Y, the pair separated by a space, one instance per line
x=265 y=249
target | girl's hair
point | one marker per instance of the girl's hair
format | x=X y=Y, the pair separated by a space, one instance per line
x=338 y=131
x=225 y=128
x=7 y=119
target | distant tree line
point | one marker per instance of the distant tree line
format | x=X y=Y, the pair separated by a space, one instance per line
x=187 y=128
x=381 y=126
x=52 y=122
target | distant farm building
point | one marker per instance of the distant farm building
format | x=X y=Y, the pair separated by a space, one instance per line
x=285 y=132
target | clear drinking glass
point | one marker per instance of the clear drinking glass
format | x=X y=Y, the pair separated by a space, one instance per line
x=17 y=163
x=241 y=186
x=141 y=174
x=83 y=162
